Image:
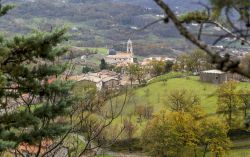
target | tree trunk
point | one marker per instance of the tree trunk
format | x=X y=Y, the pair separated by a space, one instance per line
x=205 y=151
x=230 y=113
x=245 y=111
x=216 y=154
x=195 y=152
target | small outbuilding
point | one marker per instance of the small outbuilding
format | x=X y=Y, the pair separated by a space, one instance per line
x=110 y=83
x=213 y=76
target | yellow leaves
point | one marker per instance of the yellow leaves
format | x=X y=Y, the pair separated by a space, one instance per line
x=228 y=87
x=171 y=132
x=229 y=102
x=185 y=101
x=157 y=67
x=175 y=130
x=214 y=134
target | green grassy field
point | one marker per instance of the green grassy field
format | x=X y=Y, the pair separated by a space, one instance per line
x=238 y=153
x=156 y=94
x=100 y=50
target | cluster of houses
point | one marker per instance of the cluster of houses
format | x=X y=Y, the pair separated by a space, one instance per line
x=147 y=61
x=107 y=79
x=104 y=79
x=122 y=59
x=111 y=80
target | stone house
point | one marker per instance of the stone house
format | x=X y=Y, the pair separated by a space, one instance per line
x=147 y=61
x=110 y=83
x=218 y=77
x=103 y=80
x=213 y=76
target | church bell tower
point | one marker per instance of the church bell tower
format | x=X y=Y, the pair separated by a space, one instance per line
x=130 y=47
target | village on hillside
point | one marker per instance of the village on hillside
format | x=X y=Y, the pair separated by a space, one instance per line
x=121 y=69
x=125 y=78
x=120 y=73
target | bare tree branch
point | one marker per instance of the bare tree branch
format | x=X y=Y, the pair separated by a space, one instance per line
x=92 y=136
x=228 y=31
x=226 y=63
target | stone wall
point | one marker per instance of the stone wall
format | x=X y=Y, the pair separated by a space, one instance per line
x=216 y=78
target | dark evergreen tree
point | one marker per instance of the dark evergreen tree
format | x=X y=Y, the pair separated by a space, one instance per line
x=86 y=69
x=103 y=64
x=32 y=95
x=168 y=66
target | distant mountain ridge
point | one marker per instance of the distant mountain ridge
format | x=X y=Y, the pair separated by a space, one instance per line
x=99 y=23
x=179 y=5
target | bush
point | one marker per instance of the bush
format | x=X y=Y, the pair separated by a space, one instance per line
x=133 y=144
x=169 y=76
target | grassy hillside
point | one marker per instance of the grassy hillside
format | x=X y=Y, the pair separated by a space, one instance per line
x=156 y=93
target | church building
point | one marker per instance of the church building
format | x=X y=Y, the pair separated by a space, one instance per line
x=121 y=58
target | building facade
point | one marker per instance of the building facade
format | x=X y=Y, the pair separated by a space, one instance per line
x=110 y=83
x=218 y=77
x=121 y=58
x=147 y=61
x=213 y=76
x=104 y=80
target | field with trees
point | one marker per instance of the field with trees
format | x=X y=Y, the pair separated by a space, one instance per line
x=163 y=109
x=166 y=91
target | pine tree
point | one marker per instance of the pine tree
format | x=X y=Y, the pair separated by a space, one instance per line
x=103 y=64
x=32 y=95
